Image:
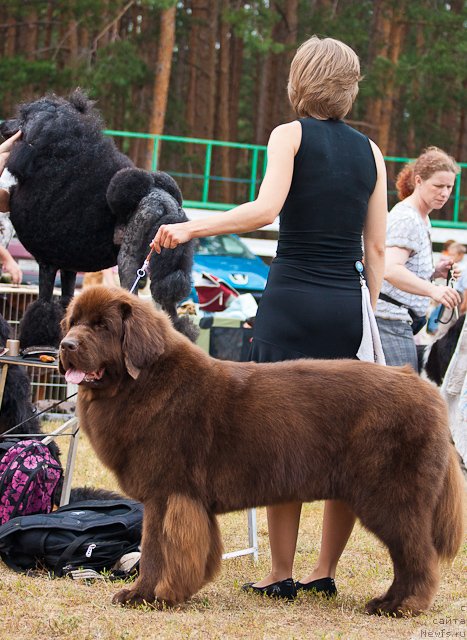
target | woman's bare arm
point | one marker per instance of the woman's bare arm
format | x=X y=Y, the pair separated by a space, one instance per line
x=282 y=147
x=374 y=231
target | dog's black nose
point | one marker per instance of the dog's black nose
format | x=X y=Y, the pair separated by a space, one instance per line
x=69 y=344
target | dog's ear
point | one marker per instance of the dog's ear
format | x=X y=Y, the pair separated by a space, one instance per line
x=143 y=337
x=21 y=162
x=166 y=182
x=126 y=190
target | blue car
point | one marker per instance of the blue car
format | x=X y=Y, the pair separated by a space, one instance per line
x=228 y=258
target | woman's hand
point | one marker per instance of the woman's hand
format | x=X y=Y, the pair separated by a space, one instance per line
x=4 y=200
x=12 y=267
x=5 y=149
x=446 y=296
x=170 y=236
x=444 y=265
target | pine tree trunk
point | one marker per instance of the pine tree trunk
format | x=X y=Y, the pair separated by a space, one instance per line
x=202 y=84
x=379 y=47
x=236 y=68
x=265 y=95
x=412 y=150
x=10 y=48
x=161 y=81
x=396 y=39
x=48 y=31
x=223 y=128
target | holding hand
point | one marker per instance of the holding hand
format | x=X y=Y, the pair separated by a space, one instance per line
x=11 y=266
x=5 y=149
x=170 y=236
x=4 y=200
x=444 y=265
x=446 y=296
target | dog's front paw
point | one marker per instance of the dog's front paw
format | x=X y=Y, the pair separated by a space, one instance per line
x=389 y=607
x=133 y=598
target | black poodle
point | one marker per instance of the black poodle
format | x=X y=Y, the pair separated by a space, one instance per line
x=73 y=207
x=435 y=358
x=148 y=200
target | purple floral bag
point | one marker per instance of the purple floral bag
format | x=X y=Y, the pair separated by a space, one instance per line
x=29 y=476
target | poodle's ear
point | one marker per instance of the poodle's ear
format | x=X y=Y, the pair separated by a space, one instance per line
x=8 y=128
x=143 y=337
x=166 y=182
x=126 y=190
x=80 y=101
x=21 y=162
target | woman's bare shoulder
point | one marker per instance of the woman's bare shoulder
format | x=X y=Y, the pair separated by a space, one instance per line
x=287 y=133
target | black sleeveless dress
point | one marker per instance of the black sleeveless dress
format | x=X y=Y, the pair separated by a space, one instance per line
x=312 y=304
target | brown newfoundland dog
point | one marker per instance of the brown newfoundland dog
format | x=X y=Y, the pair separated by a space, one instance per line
x=192 y=437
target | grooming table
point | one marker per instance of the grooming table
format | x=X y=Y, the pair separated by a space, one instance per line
x=68 y=428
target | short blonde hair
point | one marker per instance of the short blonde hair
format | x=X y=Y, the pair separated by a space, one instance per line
x=323 y=79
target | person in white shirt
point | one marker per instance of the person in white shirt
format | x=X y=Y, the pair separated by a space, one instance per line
x=7 y=262
x=423 y=186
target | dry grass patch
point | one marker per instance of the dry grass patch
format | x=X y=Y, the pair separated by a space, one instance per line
x=42 y=608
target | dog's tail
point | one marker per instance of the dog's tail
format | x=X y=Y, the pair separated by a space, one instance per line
x=448 y=521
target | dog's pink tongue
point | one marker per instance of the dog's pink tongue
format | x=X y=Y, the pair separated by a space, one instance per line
x=74 y=376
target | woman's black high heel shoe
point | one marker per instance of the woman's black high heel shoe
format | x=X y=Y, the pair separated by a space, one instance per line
x=282 y=589
x=326 y=586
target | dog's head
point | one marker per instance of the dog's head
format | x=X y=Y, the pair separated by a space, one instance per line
x=130 y=185
x=44 y=124
x=110 y=334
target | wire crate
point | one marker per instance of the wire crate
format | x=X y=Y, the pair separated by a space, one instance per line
x=46 y=384
x=13 y=303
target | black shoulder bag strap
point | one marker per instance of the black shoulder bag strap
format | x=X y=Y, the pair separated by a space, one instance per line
x=383 y=296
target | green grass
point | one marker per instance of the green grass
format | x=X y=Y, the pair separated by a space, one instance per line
x=41 y=608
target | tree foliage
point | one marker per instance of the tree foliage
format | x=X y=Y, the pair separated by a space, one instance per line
x=229 y=66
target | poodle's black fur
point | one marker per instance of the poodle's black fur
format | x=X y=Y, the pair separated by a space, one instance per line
x=148 y=200
x=437 y=356
x=73 y=207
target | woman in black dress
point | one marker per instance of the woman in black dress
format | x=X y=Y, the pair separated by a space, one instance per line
x=328 y=182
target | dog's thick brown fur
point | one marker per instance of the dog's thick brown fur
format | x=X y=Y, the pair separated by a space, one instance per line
x=192 y=437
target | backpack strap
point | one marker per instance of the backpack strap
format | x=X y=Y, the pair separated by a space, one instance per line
x=69 y=551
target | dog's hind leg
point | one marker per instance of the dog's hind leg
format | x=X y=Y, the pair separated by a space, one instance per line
x=215 y=551
x=143 y=591
x=416 y=572
x=191 y=547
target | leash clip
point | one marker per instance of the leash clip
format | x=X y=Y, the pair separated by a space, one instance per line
x=140 y=273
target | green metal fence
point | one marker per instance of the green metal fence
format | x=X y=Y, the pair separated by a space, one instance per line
x=173 y=153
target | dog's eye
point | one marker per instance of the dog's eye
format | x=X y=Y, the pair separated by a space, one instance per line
x=100 y=324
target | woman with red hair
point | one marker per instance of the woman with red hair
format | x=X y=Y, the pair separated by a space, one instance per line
x=422 y=186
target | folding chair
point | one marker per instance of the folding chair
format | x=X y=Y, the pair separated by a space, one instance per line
x=69 y=428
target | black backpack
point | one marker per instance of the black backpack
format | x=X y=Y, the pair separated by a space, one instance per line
x=92 y=534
